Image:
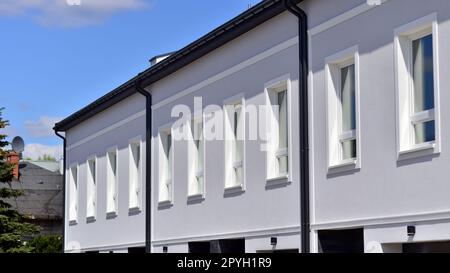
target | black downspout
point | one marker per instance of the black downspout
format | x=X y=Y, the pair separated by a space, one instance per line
x=64 y=190
x=148 y=154
x=303 y=123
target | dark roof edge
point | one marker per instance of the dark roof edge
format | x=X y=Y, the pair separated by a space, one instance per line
x=234 y=28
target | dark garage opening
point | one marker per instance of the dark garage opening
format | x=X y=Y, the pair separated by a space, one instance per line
x=431 y=247
x=218 y=246
x=293 y=250
x=341 y=241
x=199 y=247
x=232 y=246
x=136 y=250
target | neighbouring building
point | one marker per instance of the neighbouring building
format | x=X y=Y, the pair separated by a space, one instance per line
x=42 y=199
x=312 y=125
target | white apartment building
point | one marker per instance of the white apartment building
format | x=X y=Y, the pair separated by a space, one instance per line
x=297 y=126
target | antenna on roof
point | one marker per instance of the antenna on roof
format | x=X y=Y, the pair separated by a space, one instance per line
x=18 y=145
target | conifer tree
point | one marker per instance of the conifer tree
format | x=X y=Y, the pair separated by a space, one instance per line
x=13 y=228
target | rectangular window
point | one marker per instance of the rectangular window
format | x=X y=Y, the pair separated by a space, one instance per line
x=166 y=165
x=282 y=153
x=417 y=87
x=234 y=114
x=277 y=158
x=91 y=188
x=135 y=174
x=342 y=84
x=196 y=166
x=348 y=117
x=73 y=193
x=112 y=181
x=423 y=85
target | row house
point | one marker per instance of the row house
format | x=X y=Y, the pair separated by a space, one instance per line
x=297 y=126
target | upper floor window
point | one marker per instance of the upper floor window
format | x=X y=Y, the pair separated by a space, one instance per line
x=234 y=114
x=196 y=158
x=342 y=83
x=347 y=135
x=278 y=120
x=165 y=165
x=111 y=181
x=423 y=86
x=416 y=50
x=73 y=192
x=91 y=187
x=135 y=172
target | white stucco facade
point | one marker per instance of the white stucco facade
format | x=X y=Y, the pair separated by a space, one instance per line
x=387 y=192
x=387 y=187
x=113 y=128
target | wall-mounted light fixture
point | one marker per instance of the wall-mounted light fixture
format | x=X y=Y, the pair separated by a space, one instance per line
x=411 y=230
x=273 y=241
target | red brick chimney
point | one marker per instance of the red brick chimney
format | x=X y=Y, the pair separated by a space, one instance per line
x=13 y=158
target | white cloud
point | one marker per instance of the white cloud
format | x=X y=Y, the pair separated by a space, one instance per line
x=68 y=12
x=42 y=127
x=34 y=151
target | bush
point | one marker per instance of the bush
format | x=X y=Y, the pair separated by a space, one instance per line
x=46 y=244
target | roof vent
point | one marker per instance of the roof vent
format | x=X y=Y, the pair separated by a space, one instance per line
x=160 y=58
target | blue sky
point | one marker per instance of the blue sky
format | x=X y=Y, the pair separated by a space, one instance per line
x=56 y=58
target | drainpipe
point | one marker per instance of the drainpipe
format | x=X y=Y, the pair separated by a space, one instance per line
x=148 y=153
x=64 y=190
x=303 y=123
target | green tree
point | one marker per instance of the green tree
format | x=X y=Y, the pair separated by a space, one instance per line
x=13 y=226
x=46 y=244
x=47 y=157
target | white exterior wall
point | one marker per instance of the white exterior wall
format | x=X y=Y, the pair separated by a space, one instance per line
x=94 y=137
x=384 y=195
x=242 y=66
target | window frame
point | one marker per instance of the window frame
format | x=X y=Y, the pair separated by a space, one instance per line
x=132 y=142
x=275 y=86
x=164 y=129
x=195 y=118
x=109 y=151
x=335 y=135
x=406 y=116
x=232 y=101
x=91 y=179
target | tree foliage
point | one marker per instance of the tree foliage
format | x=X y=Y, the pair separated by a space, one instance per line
x=14 y=230
x=46 y=244
x=47 y=157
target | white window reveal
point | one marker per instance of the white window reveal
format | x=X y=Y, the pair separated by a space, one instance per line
x=196 y=159
x=278 y=124
x=73 y=193
x=165 y=165
x=112 y=182
x=342 y=82
x=91 y=187
x=135 y=170
x=234 y=114
x=417 y=87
